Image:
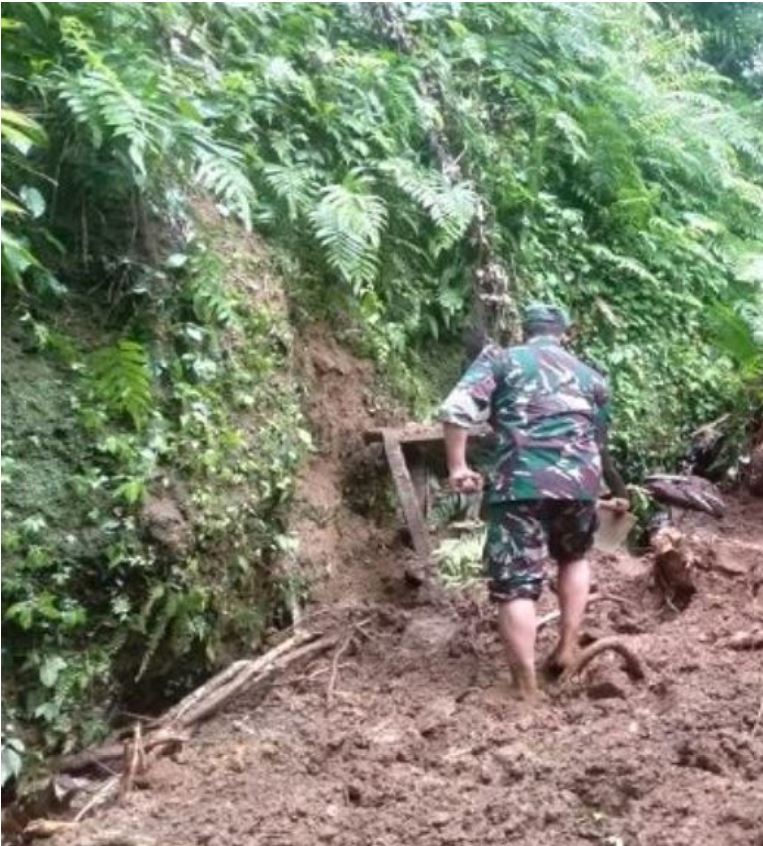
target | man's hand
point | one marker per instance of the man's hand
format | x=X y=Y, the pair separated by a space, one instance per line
x=465 y=480
x=618 y=505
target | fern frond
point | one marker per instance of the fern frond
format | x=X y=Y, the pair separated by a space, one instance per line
x=121 y=378
x=450 y=206
x=736 y=337
x=221 y=169
x=99 y=101
x=348 y=222
x=295 y=184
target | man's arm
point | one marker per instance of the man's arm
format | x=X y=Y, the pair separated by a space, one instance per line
x=461 y=477
x=467 y=405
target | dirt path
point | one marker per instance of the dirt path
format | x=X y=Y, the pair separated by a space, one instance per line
x=421 y=745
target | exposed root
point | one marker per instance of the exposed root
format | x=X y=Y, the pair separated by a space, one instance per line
x=633 y=664
x=335 y=670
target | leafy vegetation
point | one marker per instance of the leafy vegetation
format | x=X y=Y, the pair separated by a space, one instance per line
x=420 y=169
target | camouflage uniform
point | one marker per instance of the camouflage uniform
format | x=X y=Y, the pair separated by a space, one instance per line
x=549 y=412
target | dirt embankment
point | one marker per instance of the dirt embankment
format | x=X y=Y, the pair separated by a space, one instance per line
x=347 y=550
x=406 y=735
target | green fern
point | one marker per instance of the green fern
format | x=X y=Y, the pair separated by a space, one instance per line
x=737 y=337
x=450 y=206
x=102 y=104
x=220 y=169
x=348 y=222
x=295 y=184
x=121 y=379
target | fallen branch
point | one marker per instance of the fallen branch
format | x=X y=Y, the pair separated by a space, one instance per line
x=335 y=669
x=171 y=729
x=633 y=664
x=259 y=671
x=232 y=678
x=101 y=795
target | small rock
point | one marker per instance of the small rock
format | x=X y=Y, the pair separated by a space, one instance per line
x=435 y=715
x=440 y=818
x=431 y=633
x=605 y=689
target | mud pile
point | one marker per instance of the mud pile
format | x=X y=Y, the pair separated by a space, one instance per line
x=414 y=740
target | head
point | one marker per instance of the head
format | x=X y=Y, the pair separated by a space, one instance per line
x=544 y=319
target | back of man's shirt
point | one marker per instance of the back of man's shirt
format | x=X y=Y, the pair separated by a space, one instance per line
x=549 y=413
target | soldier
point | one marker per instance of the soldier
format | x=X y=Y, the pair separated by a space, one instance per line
x=550 y=413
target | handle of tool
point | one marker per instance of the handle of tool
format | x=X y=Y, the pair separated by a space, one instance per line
x=613 y=505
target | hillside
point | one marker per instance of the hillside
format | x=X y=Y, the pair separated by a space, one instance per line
x=236 y=237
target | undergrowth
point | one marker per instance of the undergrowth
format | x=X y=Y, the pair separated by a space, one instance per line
x=191 y=400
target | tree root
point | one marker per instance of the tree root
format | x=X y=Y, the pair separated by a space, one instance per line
x=633 y=664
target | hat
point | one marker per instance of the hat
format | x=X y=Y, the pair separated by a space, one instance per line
x=544 y=316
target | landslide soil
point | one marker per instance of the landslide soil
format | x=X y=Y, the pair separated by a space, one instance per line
x=417 y=740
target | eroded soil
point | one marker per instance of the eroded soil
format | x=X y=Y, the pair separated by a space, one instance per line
x=419 y=743
x=416 y=739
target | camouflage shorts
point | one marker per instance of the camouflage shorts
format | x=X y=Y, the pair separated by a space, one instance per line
x=522 y=535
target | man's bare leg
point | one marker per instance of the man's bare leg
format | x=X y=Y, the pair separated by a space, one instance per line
x=573 y=587
x=516 y=624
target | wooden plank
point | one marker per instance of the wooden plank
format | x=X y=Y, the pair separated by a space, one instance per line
x=407 y=496
x=421 y=433
x=419 y=471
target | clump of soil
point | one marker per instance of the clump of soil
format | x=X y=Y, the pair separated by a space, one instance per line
x=414 y=739
x=346 y=557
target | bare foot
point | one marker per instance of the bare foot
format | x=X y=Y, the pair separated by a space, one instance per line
x=558 y=661
x=526 y=684
x=508 y=688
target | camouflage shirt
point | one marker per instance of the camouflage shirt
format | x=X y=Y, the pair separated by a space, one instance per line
x=549 y=412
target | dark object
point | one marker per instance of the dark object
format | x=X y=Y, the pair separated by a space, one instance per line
x=692 y=492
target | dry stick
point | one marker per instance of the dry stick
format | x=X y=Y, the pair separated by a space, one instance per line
x=260 y=671
x=133 y=756
x=335 y=669
x=231 y=675
x=100 y=795
x=633 y=665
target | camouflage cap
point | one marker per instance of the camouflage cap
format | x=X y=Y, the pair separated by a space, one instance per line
x=544 y=316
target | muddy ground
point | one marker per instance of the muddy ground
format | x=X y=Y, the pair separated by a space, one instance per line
x=416 y=738
x=419 y=741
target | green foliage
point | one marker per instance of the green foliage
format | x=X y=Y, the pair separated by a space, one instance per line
x=348 y=221
x=459 y=559
x=121 y=379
